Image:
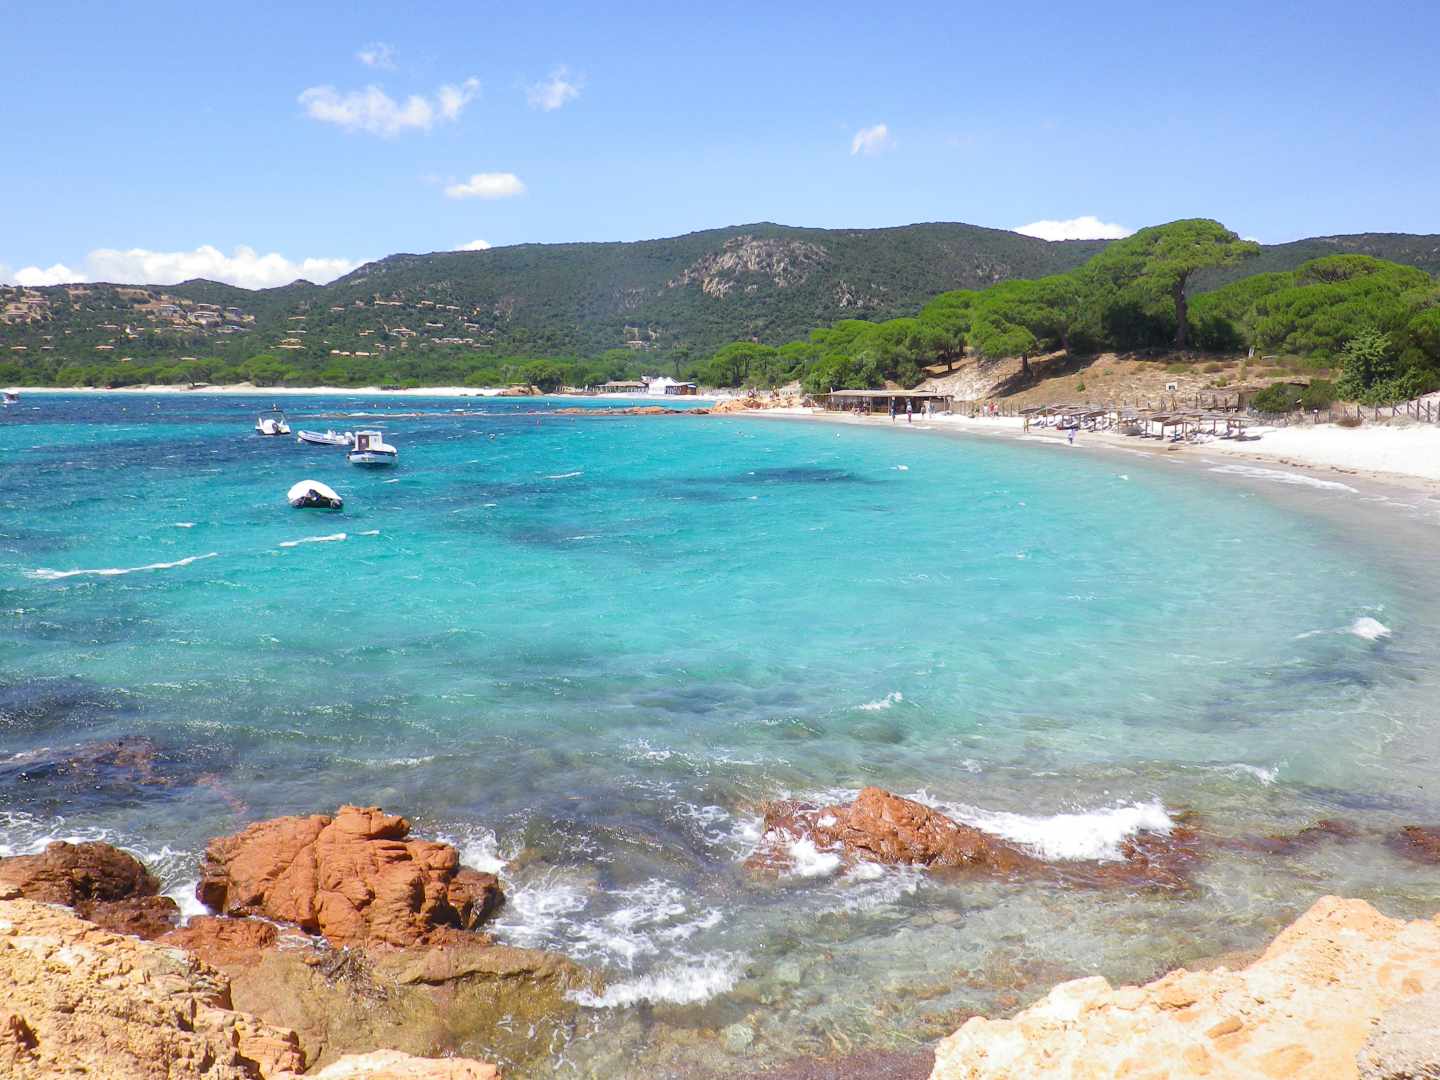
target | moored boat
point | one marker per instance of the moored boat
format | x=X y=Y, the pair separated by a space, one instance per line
x=328 y=438
x=10 y=397
x=371 y=449
x=272 y=425
x=313 y=495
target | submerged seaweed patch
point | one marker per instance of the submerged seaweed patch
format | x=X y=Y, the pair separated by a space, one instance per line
x=798 y=474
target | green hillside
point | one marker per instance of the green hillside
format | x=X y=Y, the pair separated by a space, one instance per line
x=472 y=315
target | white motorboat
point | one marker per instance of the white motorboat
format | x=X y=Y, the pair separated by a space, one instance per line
x=329 y=438
x=313 y=495
x=272 y=425
x=11 y=397
x=371 y=449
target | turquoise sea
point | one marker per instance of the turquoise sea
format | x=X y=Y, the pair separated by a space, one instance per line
x=586 y=649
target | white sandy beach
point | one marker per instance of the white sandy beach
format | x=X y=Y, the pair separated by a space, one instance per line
x=1398 y=453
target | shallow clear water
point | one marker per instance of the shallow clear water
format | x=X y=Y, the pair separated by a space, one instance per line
x=589 y=647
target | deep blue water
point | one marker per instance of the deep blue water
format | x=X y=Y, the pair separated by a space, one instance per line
x=587 y=648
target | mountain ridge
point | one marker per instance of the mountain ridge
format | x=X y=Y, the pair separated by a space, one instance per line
x=680 y=296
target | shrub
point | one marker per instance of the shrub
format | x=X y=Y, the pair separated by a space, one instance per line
x=1212 y=367
x=1348 y=421
x=1318 y=395
x=1279 y=398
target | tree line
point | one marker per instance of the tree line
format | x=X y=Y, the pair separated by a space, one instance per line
x=1378 y=321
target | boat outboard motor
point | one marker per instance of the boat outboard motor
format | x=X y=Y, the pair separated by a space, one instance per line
x=313 y=495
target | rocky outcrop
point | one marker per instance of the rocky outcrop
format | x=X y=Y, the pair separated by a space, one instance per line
x=752 y=402
x=104 y=884
x=785 y=263
x=354 y=878
x=79 y=1000
x=1304 y=1010
x=882 y=827
x=219 y=941
x=631 y=410
x=463 y=996
x=885 y=828
x=1405 y=1043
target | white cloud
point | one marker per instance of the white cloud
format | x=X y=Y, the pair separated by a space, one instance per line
x=35 y=276
x=554 y=92
x=139 y=266
x=377 y=55
x=475 y=245
x=1253 y=239
x=373 y=111
x=1087 y=227
x=872 y=140
x=487 y=185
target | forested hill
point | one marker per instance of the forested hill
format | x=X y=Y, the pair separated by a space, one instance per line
x=764 y=281
x=1408 y=249
x=665 y=302
x=692 y=292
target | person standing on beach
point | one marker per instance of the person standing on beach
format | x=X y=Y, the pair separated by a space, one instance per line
x=892 y=410
x=1072 y=436
x=909 y=411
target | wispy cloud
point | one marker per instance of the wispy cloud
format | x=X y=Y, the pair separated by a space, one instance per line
x=475 y=245
x=375 y=112
x=487 y=185
x=1087 y=227
x=872 y=140
x=377 y=54
x=244 y=266
x=555 y=91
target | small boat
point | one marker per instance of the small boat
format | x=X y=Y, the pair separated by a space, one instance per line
x=313 y=495
x=329 y=438
x=272 y=425
x=11 y=397
x=371 y=449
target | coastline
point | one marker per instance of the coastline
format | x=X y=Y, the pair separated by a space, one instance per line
x=958 y=428
x=250 y=390
x=1398 y=457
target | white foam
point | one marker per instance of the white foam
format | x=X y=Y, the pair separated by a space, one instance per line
x=1366 y=627
x=1369 y=629
x=1265 y=776
x=1086 y=835
x=678 y=984
x=565 y=475
x=330 y=539
x=115 y=571
x=537 y=911
x=806 y=860
x=369 y=532
x=889 y=701
x=1280 y=477
x=902 y=468
x=184 y=524
x=185 y=899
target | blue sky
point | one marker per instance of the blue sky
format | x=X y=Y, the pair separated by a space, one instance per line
x=240 y=141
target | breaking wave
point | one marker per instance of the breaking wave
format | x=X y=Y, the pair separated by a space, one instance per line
x=676 y=984
x=332 y=538
x=116 y=571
